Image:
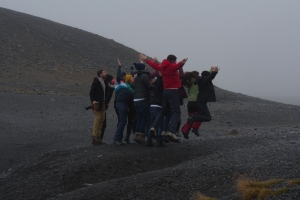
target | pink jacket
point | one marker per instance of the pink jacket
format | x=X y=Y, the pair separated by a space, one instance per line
x=169 y=72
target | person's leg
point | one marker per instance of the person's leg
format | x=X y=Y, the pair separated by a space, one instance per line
x=153 y=115
x=204 y=116
x=96 y=127
x=122 y=110
x=142 y=109
x=130 y=116
x=173 y=99
x=98 y=123
x=103 y=127
x=161 y=114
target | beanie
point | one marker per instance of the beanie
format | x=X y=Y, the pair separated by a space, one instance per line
x=171 y=58
x=127 y=78
x=139 y=66
x=205 y=73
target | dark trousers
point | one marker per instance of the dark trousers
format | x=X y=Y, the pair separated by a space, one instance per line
x=170 y=102
x=142 y=110
x=205 y=114
x=131 y=116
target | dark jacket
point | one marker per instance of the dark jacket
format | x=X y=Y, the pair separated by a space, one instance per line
x=97 y=92
x=142 y=85
x=158 y=89
x=206 y=91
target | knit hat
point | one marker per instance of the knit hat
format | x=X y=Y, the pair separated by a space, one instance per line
x=139 y=66
x=127 y=78
x=171 y=58
x=205 y=73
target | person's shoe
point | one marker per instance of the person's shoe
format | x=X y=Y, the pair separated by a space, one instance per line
x=173 y=137
x=153 y=132
x=160 y=144
x=118 y=143
x=189 y=119
x=136 y=136
x=141 y=138
x=163 y=133
x=149 y=144
x=126 y=140
x=96 y=140
x=196 y=132
x=185 y=135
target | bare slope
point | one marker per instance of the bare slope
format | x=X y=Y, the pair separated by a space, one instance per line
x=41 y=56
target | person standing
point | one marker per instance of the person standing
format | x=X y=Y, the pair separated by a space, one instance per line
x=142 y=98
x=169 y=70
x=99 y=96
x=122 y=98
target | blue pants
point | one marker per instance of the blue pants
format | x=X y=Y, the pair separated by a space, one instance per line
x=154 y=111
x=122 y=113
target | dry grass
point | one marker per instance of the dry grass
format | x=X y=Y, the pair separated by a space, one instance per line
x=258 y=190
x=199 y=196
x=294 y=182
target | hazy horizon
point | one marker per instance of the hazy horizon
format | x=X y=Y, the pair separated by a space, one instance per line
x=255 y=43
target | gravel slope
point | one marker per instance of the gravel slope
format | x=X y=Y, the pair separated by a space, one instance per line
x=45 y=140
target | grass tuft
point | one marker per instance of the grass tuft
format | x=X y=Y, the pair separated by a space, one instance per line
x=199 y=196
x=294 y=182
x=251 y=190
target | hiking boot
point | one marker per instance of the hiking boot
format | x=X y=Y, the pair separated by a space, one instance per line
x=173 y=137
x=96 y=140
x=196 y=132
x=136 y=136
x=141 y=138
x=153 y=132
x=163 y=133
x=185 y=135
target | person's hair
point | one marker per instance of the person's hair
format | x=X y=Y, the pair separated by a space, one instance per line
x=109 y=77
x=187 y=78
x=99 y=72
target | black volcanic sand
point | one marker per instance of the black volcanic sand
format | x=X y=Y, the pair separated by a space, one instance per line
x=46 y=151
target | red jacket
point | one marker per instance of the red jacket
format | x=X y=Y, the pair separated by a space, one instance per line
x=169 y=72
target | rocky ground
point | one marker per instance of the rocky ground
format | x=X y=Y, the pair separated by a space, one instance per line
x=47 y=151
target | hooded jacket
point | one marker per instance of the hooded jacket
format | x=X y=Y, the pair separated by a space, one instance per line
x=169 y=71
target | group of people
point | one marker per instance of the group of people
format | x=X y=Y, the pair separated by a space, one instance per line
x=149 y=103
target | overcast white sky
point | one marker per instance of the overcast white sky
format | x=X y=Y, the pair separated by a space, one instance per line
x=256 y=43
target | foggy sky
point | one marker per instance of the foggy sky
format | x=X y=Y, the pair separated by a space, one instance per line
x=255 y=43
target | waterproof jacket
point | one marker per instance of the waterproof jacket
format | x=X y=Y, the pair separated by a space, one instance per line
x=206 y=91
x=122 y=93
x=169 y=72
x=142 y=85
